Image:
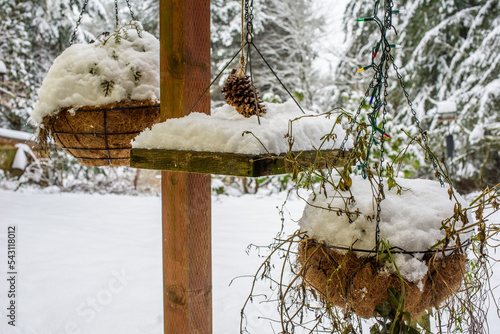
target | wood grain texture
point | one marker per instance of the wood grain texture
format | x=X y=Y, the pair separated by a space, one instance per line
x=231 y=163
x=186 y=202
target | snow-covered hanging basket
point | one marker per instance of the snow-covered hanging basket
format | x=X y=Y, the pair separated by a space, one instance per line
x=97 y=97
x=338 y=257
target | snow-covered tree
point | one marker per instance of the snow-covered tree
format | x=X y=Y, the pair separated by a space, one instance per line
x=449 y=54
x=457 y=60
x=22 y=37
x=290 y=29
x=283 y=31
x=32 y=34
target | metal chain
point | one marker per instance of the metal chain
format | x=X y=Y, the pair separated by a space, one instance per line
x=73 y=36
x=139 y=33
x=416 y=120
x=367 y=95
x=249 y=20
x=131 y=11
x=378 y=83
x=116 y=14
x=382 y=149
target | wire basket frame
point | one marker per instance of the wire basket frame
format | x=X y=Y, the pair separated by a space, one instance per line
x=393 y=250
x=102 y=135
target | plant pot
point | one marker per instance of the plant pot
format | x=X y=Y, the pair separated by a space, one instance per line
x=358 y=283
x=102 y=135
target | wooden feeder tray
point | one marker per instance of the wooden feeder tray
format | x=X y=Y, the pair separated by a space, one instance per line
x=231 y=163
x=101 y=135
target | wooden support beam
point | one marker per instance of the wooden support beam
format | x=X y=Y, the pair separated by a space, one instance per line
x=232 y=163
x=186 y=202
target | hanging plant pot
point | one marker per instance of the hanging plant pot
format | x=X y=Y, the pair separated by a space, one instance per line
x=101 y=135
x=339 y=259
x=360 y=283
x=97 y=97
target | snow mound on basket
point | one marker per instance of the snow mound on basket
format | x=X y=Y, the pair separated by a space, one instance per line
x=80 y=74
x=224 y=131
x=410 y=221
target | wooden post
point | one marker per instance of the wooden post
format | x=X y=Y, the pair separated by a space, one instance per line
x=186 y=202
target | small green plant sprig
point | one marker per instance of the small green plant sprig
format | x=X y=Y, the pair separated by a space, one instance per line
x=121 y=32
x=118 y=35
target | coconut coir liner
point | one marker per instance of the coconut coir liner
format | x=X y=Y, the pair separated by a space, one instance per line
x=101 y=135
x=360 y=283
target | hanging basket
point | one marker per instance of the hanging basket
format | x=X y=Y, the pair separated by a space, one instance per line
x=360 y=283
x=97 y=97
x=102 y=135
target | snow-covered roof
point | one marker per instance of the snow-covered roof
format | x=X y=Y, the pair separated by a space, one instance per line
x=446 y=107
x=17 y=135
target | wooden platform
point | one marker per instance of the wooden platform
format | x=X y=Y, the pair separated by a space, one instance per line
x=231 y=163
x=7 y=155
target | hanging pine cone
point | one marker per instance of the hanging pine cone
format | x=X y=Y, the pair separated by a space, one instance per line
x=238 y=92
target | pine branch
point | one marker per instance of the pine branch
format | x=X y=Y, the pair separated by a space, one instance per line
x=107 y=86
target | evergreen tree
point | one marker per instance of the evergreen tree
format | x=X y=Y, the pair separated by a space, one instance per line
x=449 y=54
x=283 y=31
x=16 y=51
x=32 y=34
x=289 y=31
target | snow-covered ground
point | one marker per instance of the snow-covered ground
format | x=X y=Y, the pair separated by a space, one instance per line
x=91 y=264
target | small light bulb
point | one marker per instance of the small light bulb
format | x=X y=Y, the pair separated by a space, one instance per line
x=398 y=11
x=364 y=68
x=365 y=19
x=395 y=46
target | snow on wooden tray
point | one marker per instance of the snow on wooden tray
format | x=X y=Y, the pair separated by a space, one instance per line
x=227 y=143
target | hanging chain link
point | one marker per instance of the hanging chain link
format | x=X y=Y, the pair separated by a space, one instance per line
x=117 y=21
x=73 y=35
x=417 y=121
x=131 y=11
x=384 y=79
x=246 y=38
x=380 y=197
x=116 y=14
x=379 y=85
x=249 y=20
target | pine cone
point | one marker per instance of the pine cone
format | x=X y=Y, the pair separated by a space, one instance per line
x=238 y=92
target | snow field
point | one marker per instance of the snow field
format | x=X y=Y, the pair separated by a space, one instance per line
x=92 y=263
